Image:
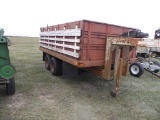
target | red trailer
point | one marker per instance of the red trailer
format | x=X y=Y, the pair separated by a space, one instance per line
x=94 y=46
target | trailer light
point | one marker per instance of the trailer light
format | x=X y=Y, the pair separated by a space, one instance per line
x=76 y=63
x=81 y=64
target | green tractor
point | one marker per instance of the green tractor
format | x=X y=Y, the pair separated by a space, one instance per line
x=7 y=71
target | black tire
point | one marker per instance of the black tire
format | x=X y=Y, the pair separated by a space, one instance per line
x=47 y=61
x=136 y=69
x=56 y=66
x=10 y=87
x=156 y=63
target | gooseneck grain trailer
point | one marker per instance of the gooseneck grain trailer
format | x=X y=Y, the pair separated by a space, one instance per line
x=7 y=71
x=96 y=47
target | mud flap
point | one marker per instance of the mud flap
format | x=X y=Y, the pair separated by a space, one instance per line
x=69 y=70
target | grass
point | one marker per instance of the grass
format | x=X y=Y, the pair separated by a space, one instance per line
x=39 y=95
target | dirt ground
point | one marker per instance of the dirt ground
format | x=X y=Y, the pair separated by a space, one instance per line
x=39 y=95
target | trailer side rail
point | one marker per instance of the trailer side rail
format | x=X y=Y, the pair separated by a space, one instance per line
x=56 y=41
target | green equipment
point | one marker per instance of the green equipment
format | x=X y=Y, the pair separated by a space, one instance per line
x=7 y=71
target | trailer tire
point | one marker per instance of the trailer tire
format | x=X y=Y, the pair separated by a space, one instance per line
x=56 y=66
x=10 y=87
x=136 y=69
x=47 y=61
x=156 y=63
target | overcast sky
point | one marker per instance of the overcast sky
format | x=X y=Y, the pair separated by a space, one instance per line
x=25 y=17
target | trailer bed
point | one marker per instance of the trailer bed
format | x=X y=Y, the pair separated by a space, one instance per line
x=81 y=43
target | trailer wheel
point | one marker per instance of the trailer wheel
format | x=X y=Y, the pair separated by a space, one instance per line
x=136 y=69
x=47 y=61
x=156 y=63
x=10 y=87
x=56 y=66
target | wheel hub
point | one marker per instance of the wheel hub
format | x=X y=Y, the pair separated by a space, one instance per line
x=135 y=69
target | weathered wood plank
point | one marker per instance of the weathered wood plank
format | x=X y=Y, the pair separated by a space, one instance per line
x=66 y=32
